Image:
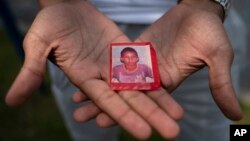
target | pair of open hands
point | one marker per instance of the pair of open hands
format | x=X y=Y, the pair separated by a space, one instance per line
x=76 y=37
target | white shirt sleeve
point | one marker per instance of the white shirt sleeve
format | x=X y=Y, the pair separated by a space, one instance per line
x=134 y=11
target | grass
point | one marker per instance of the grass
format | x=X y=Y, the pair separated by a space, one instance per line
x=39 y=119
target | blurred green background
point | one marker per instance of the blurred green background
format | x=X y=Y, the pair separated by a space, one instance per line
x=39 y=119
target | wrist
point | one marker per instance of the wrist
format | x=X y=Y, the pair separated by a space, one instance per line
x=207 y=5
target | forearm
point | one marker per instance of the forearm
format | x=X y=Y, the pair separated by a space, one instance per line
x=207 y=5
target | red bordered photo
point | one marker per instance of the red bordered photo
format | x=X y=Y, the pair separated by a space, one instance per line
x=133 y=66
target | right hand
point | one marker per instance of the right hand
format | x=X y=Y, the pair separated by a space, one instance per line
x=76 y=37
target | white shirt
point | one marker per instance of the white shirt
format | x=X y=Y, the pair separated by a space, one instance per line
x=134 y=11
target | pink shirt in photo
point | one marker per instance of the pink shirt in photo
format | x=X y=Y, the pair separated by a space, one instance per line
x=137 y=76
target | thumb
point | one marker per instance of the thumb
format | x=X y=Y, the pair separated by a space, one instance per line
x=31 y=74
x=222 y=88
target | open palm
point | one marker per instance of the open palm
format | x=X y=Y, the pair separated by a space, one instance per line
x=76 y=37
x=187 y=39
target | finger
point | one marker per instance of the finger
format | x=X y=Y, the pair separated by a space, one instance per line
x=152 y=113
x=103 y=120
x=222 y=88
x=90 y=111
x=80 y=115
x=86 y=112
x=32 y=73
x=79 y=97
x=115 y=107
x=167 y=103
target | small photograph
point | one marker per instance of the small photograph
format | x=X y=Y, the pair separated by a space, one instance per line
x=131 y=64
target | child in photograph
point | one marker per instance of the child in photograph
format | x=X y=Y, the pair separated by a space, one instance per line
x=130 y=71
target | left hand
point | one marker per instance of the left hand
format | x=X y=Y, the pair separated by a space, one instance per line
x=189 y=37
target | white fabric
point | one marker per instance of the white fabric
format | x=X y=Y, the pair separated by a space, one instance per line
x=134 y=11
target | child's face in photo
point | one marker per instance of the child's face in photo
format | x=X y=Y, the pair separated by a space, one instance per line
x=129 y=58
x=133 y=66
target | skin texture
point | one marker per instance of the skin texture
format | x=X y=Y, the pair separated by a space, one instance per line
x=186 y=39
x=69 y=36
x=195 y=38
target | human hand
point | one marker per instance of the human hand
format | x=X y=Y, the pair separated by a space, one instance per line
x=189 y=37
x=186 y=39
x=76 y=37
